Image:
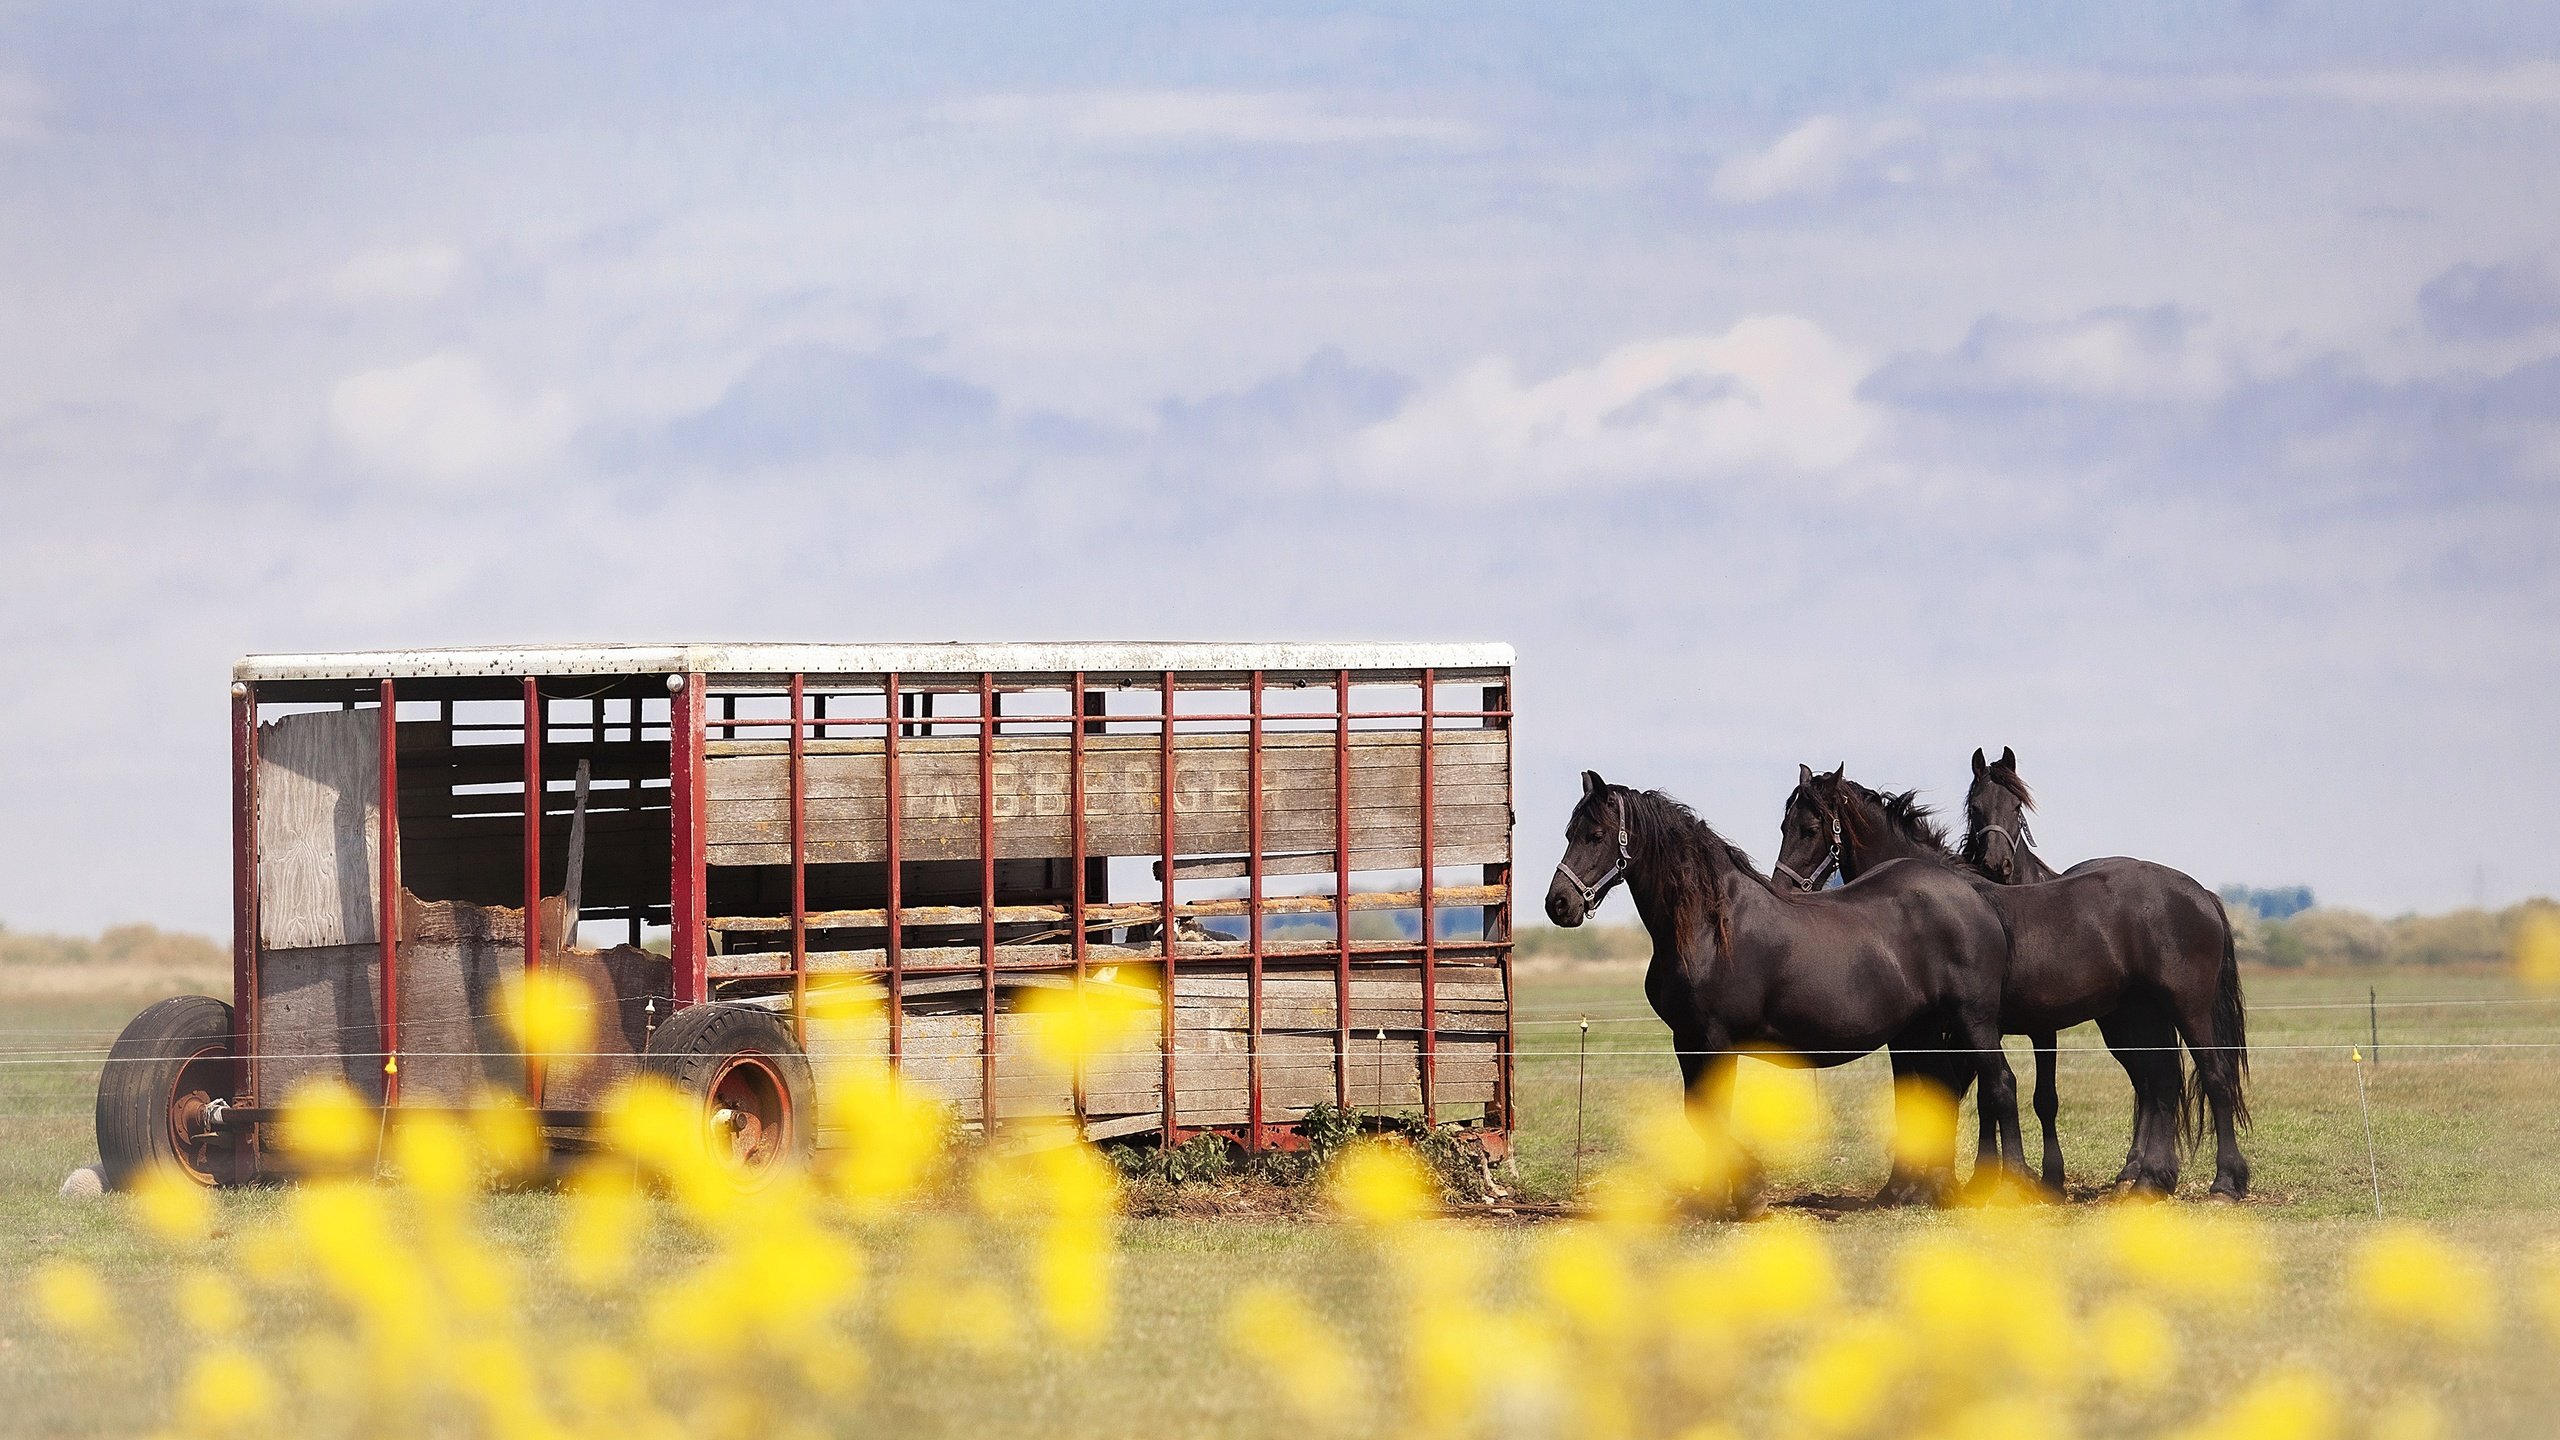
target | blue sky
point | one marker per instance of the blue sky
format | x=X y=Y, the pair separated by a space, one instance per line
x=2170 y=393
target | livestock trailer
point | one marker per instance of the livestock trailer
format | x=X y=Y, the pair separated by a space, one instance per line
x=1297 y=856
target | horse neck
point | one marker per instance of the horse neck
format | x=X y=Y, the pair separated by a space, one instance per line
x=1858 y=856
x=2032 y=870
x=1689 y=878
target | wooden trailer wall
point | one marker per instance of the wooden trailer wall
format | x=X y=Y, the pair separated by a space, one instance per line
x=1338 y=847
x=1287 y=792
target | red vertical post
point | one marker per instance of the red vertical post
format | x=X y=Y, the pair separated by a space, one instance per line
x=894 y=800
x=536 y=798
x=1164 y=806
x=799 y=866
x=1497 y=920
x=987 y=901
x=686 y=940
x=1253 y=916
x=1342 y=889
x=387 y=886
x=1075 y=846
x=244 y=885
x=1430 y=941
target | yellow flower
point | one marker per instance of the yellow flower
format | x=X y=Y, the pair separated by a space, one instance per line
x=552 y=1014
x=2407 y=1277
x=1097 y=1018
x=2288 y=1405
x=1681 y=1149
x=1921 y=1118
x=894 y=1138
x=509 y=1136
x=602 y=1224
x=2181 y=1256
x=71 y=1300
x=2538 y=948
x=2133 y=1346
x=1779 y=1274
x=209 y=1304
x=226 y=1389
x=172 y=1206
x=1847 y=1376
x=1382 y=1183
x=327 y=1128
x=1972 y=1306
x=1778 y=1112
x=1584 y=1276
x=2410 y=1417
x=1316 y=1372
x=432 y=1154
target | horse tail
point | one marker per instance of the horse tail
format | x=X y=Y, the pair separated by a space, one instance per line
x=2228 y=1044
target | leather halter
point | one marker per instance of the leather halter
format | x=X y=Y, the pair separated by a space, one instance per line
x=1822 y=871
x=1591 y=890
x=2019 y=839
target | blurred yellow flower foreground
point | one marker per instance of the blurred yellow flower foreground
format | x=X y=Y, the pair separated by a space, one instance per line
x=669 y=1294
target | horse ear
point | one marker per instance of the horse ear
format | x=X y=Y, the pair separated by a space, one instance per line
x=2008 y=758
x=1592 y=784
x=1978 y=765
x=1840 y=770
x=1804 y=773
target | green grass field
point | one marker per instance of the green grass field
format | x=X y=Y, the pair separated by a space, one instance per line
x=2463 y=1137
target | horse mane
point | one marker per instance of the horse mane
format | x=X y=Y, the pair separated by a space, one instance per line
x=1914 y=821
x=2007 y=779
x=1662 y=824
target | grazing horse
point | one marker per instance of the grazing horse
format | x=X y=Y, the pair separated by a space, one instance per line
x=2196 y=979
x=2068 y=960
x=1740 y=965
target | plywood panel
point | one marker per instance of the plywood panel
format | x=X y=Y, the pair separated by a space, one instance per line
x=319 y=833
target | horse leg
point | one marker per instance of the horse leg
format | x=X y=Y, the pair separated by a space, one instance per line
x=2048 y=1106
x=1709 y=1070
x=1920 y=1059
x=2145 y=1042
x=2217 y=1074
x=1998 y=1101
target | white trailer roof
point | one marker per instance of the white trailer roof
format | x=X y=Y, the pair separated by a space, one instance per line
x=1098 y=657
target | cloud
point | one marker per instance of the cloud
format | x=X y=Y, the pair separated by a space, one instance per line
x=1199 y=117
x=2529 y=84
x=443 y=419
x=808 y=402
x=2491 y=302
x=1321 y=401
x=412 y=273
x=23 y=103
x=2117 y=354
x=1820 y=156
x=1775 y=392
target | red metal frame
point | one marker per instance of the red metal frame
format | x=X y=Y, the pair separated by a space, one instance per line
x=1075 y=846
x=387 y=920
x=1253 y=919
x=244 y=884
x=1342 y=889
x=1166 y=787
x=987 y=900
x=799 y=784
x=895 y=799
x=1498 y=926
x=537 y=800
x=686 y=940
x=1430 y=1059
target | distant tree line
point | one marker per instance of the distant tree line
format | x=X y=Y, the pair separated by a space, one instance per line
x=119 y=945
x=2275 y=902
x=2313 y=938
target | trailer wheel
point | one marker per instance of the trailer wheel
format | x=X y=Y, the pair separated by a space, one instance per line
x=155 y=1099
x=752 y=1079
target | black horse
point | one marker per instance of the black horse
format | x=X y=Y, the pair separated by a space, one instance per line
x=1740 y=965
x=2063 y=955
x=2196 y=979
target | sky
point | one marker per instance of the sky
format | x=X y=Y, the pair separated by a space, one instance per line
x=2171 y=393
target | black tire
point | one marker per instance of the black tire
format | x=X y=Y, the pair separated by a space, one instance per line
x=170 y=1063
x=752 y=1079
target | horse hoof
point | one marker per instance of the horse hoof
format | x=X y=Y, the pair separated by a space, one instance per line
x=2221 y=1197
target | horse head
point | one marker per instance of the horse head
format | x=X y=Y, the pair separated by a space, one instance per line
x=1811 y=836
x=1996 y=836
x=1597 y=852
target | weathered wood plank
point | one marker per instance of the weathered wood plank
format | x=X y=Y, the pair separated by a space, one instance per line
x=319 y=829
